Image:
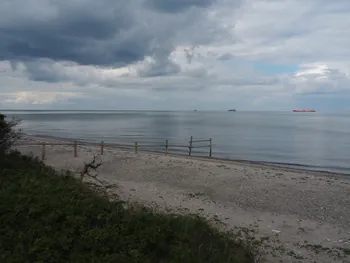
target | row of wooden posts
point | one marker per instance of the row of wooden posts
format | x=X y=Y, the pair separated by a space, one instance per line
x=102 y=145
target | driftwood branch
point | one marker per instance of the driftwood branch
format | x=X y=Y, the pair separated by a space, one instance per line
x=91 y=167
x=90 y=170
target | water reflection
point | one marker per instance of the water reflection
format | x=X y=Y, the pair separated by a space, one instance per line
x=308 y=139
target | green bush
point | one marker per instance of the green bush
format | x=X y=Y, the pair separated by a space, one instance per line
x=46 y=217
x=8 y=136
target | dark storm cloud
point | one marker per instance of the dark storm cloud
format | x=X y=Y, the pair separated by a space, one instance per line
x=104 y=32
x=89 y=33
x=174 y=6
x=45 y=70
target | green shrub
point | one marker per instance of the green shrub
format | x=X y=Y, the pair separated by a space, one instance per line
x=8 y=136
x=46 y=217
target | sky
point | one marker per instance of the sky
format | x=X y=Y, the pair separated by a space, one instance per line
x=175 y=54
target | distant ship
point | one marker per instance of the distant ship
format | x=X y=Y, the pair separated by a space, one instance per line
x=232 y=110
x=304 y=111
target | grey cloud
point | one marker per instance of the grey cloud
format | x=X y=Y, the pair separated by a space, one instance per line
x=174 y=88
x=52 y=72
x=310 y=32
x=189 y=53
x=102 y=33
x=226 y=56
x=330 y=81
x=197 y=73
x=160 y=68
x=49 y=71
x=87 y=33
x=45 y=70
x=105 y=32
x=174 y=6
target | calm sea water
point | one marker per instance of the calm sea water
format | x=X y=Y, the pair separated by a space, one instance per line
x=310 y=140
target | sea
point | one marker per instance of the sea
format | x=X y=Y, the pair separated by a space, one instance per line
x=313 y=141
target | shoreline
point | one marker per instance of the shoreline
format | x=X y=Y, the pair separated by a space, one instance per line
x=302 y=214
x=285 y=166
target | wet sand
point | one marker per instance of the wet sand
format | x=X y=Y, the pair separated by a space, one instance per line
x=304 y=215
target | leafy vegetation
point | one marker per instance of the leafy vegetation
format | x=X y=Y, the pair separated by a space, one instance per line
x=8 y=136
x=49 y=217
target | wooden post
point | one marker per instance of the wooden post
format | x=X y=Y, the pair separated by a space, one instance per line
x=102 y=148
x=43 y=152
x=136 y=148
x=75 y=149
x=190 y=147
x=210 y=151
x=166 y=146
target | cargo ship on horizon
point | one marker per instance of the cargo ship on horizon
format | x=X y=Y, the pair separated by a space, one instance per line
x=304 y=111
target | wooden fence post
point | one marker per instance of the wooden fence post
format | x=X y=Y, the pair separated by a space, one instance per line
x=190 y=147
x=75 y=149
x=210 y=151
x=43 y=152
x=166 y=146
x=136 y=148
x=102 y=147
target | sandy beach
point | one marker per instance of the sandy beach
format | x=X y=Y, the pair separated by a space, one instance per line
x=304 y=216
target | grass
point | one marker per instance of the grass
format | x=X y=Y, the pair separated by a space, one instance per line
x=47 y=217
